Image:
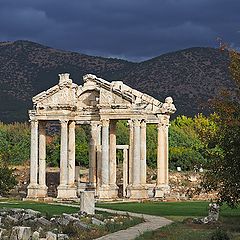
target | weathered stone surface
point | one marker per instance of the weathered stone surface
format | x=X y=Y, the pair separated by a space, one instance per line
x=21 y=233
x=2 y=232
x=51 y=236
x=97 y=221
x=35 y=235
x=11 y=220
x=33 y=212
x=43 y=221
x=62 y=236
x=87 y=202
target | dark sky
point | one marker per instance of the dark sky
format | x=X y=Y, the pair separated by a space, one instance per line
x=129 y=29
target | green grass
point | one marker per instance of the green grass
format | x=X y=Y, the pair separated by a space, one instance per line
x=183 y=229
x=44 y=208
x=172 y=210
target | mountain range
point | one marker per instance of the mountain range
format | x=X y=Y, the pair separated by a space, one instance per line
x=191 y=76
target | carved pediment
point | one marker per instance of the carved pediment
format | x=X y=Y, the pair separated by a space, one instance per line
x=61 y=96
x=98 y=96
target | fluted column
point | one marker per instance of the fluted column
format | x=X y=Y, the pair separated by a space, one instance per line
x=136 y=190
x=162 y=157
x=62 y=188
x=104 y=189
x=33 y=185
x=71 y=154
x=105 y=152
x=42 y=159
x=125 y=171
x=113 y=160
x=112 y=153
x=64 y=153
x=92 y=154
x=136 y=152
x=143 y=153
x=130 y=165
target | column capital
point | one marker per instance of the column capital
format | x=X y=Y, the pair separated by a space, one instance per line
x=143 y=123
x=105 y=122
x=136 y=122
x=163 y=121
x=63 y=121
x=32 y=121
x=72 y=124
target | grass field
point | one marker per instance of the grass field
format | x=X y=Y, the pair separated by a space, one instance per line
x=181 y=213
x=44 y=208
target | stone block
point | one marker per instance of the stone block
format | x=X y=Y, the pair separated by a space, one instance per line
x=62 y=236
x=87 y=202
x=21 y=233
x=51 y=236
x=35 y=235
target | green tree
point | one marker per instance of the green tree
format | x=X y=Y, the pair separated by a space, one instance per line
x=223 y=175
x=7 y=180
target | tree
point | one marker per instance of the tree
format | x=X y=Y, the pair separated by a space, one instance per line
x=223 y=175
x=7 y=180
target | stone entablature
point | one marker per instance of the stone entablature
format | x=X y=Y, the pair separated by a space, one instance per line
x=99 y=103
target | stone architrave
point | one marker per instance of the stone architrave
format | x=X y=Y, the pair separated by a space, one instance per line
x=42 y=191
x=33 y=186
x=162 y=157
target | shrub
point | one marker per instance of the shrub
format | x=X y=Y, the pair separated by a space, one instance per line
x=7 y=180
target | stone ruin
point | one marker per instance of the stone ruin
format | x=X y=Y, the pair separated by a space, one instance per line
x=100 y=104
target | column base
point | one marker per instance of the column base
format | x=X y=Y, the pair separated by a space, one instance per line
x=33 y=191
x=104 y=192
x=137 y=192
x=113 y=192
x=66 y=192
x=42 y=191
x=162 y=190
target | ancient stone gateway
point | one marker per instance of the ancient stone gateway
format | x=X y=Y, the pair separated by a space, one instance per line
x=100 y=104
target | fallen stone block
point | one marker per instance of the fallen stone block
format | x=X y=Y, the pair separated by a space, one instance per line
x=43 y=221
x=97 y=221
x=51 y=236
x=35 y=235
x=62 y=236
x=21 y=233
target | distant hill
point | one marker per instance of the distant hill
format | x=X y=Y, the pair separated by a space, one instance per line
x=191 y=76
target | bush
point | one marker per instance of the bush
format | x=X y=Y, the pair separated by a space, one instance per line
x=220 y=234
x=7 y=180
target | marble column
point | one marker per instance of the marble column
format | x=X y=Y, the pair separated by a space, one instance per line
x=143 y=153
x=72 y=190
x=125 y=171
x=104 y=188
x=93 y=155
x=162 y=158
x=136 y=153
x=130 y=160
x=62 y=188
x=99 y=159
x=33 y=185
x=113 y=160
x=42 y=160
x=136 y=190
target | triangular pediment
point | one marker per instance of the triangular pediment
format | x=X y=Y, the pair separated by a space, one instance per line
x=61 y=95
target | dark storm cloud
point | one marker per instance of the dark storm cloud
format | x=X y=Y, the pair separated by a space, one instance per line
x=133 y=29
